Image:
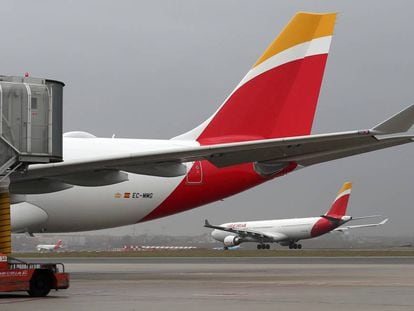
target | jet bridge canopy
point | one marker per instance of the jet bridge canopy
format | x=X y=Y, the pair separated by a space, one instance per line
x=31 y=120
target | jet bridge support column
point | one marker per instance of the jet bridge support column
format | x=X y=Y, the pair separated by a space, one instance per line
x=5 y=224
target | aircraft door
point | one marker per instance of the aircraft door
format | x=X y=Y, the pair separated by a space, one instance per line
x=195 y=175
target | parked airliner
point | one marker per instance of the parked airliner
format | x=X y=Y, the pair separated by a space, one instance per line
x=49 y=247
x=287 y=232
x=260 y=132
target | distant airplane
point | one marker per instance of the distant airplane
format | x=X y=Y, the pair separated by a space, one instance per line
x=261 y=131
x=49 y=247
x=287 y=232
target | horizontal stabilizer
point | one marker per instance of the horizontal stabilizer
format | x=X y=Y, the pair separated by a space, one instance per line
x=365 y=217
x=383 y=222
x=398 y=123
x=345 y=228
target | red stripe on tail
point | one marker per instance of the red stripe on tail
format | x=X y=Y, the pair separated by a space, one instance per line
x=338 y=208
x=278 y=103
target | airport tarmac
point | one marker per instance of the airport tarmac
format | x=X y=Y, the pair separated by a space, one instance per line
x=286 y=283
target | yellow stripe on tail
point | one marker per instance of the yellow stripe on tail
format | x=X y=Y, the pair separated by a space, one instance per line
x=303 y=27
x=339 y=205
x=346 y=186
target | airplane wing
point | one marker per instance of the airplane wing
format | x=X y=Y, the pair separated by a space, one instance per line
x=268 y=154
x=274 y=237
x=345 y=228
x=240 y=232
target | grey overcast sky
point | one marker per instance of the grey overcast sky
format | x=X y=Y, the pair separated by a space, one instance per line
x=155 y=69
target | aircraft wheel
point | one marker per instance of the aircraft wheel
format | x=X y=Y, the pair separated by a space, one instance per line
x=299 y=246
x=267 y=246
x=295 y=246
x=290 y=246
x=259 y=246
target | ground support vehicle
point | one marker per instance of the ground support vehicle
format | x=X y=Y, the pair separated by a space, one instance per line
x=35 y=278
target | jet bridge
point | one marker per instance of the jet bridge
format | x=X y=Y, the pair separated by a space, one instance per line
x=30 y=133
x=31 y=122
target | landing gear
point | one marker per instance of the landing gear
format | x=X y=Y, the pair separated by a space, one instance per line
x=294 y=245
x=263 y=246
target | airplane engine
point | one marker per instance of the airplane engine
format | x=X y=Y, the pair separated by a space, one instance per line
x=232 y=240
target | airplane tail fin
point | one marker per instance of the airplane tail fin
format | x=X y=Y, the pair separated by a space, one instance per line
x=278 y=96
x=338 y=208
x=58 y=244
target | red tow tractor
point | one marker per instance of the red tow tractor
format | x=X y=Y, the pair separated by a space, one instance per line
x=35 y=278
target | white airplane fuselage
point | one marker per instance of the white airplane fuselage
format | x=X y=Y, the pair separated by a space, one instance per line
x=294 y=228
x=45 y=247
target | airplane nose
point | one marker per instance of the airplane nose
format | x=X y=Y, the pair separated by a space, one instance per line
x=26 y=217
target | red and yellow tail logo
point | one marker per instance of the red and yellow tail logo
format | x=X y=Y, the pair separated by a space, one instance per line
x=338 y=208
x=310 y=29
x=278 y=96
x=58 y=244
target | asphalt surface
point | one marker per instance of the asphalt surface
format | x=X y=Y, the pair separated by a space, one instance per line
x=288 y=283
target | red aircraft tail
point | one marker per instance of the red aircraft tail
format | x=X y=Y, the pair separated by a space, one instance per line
x=278 y=96
x=338 y=208
x=58 y=244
